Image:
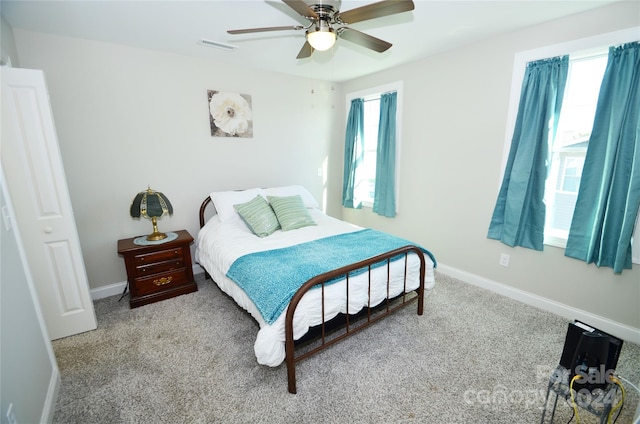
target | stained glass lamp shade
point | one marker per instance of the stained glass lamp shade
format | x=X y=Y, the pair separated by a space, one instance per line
x=151 y=204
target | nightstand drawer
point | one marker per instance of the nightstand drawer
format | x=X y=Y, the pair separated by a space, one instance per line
x=160 y=282
x=156 y=267
x=159 y=256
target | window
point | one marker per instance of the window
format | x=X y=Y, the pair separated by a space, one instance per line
x=364 y=188
x=570 y=146
x=588 y=59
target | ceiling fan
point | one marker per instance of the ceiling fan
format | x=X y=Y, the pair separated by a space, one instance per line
x=323 y=16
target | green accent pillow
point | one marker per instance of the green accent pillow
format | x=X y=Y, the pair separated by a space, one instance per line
x=291 y=212
x=258 y=216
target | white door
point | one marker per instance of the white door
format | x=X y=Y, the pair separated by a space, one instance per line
x=38 y=188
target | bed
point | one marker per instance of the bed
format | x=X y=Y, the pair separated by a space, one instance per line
x=304 y=275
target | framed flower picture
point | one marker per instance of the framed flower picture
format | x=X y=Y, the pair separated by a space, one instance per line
x=230 y=114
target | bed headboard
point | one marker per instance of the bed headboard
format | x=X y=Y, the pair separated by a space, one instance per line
x=203 y=207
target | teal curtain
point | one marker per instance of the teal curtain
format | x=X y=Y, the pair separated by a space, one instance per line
x=609 y=193
x=384 y=199
x=519 y=214
x=353 y=151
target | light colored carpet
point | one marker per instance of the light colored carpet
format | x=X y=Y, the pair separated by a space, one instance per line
x=473 y=357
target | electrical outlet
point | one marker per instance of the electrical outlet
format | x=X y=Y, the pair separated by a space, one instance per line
x=11 y=416
x=6 y=217
x=504 y=260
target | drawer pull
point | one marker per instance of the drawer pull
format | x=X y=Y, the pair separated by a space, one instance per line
x=162 y=281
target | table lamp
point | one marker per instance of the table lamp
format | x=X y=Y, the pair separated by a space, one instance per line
x=151 y=204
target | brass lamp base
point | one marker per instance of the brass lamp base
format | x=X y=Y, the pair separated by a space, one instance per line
x=156 y=235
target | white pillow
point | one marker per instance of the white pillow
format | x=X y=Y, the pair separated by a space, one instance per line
x=292 y=190
x=224 y=201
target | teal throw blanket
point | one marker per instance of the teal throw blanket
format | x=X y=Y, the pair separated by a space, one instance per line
x=272 y=277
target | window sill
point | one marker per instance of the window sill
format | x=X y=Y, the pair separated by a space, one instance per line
x=556 y=239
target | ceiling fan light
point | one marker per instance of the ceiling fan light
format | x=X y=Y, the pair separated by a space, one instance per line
x=322 y=40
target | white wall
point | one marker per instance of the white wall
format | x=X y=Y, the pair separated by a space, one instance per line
x=455 y=117
x=30 y=378
x=127 y=118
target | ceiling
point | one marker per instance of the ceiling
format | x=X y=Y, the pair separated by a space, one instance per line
x=178 y=27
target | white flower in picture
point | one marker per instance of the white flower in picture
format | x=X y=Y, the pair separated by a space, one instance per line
x=230 y=114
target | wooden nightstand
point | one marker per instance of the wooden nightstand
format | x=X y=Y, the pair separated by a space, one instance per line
x=160 y=271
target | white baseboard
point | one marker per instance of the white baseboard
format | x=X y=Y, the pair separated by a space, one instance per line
x=108 y=291
x=118 y=288
x=623 y=331
x=617 y=329
x=49 y=407
x=197 y=269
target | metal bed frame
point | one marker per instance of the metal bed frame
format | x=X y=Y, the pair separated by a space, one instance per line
x=371 y=313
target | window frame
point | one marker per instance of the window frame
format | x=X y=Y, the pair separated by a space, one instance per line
x=373 y=92
x=583 y=47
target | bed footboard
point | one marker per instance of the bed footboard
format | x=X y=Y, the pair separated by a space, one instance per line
x=383 y=310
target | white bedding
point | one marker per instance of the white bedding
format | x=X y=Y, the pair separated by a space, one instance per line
x=219 y=244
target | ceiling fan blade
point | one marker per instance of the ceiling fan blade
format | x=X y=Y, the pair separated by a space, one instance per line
x=305 y=51
x=250 y=30
x=301 y=7
x=375 y=10
x=363 y=39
